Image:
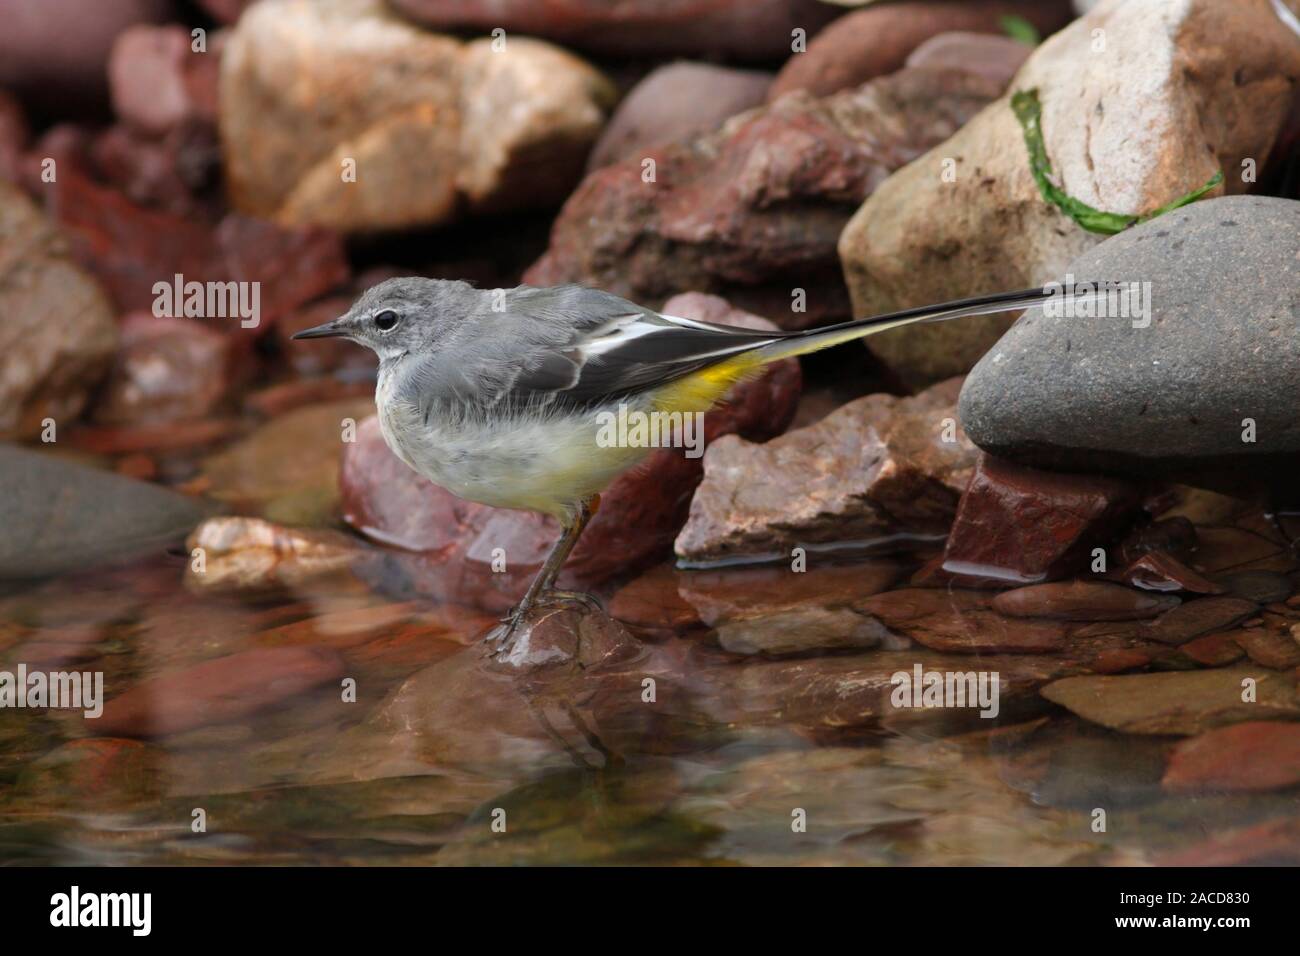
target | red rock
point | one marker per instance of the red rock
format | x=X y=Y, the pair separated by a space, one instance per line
x=1158 y=571
x=131 y=248
x=640 y=513
x=1082 y=601
x=1120 y=659
x=1198 y=617
x=217 y=691
x=959 y=622
x=158 y=81
x=995 y=57
x=869 y=43
x=755 y=209
x=1029 y=525
x=667 y=106
x=1250 y=757
x=741 y=29
x=177 y=174
x=873 y=470
x=1214 y=650
x=165 y=370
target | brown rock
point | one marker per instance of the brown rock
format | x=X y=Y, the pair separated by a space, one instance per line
x=640 y=512
x=217 y=691
x=57 y=336
x=1082 y=601
x=869 y=43
x=1030 y=525
x=727 y=594
x=1215 y=650
x=959 y=622
x=1270 y=649
x=1198 y=617
x=752 y=30
x=800 y=630
x=877 y=467
x=992 y=56
x=776 y=610
x=1215 y=94
x=675 y=102
x=754 y=209
x=241 y=555
x=290 y=462
x=166 y=370
x=1177 y=702
x=1249 y=757
x=402 y=123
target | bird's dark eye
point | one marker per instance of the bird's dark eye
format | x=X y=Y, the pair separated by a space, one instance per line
x=386 y=320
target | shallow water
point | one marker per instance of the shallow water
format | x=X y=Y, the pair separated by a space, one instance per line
x=738 y=760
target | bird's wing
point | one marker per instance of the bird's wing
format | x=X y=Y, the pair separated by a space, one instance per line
x=574 y=347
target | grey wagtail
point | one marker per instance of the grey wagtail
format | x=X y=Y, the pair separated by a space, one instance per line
x=497 y=394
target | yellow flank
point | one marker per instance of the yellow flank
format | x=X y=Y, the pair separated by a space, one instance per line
x=700 y=391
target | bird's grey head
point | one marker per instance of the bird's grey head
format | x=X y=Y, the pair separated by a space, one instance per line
x=397 y=316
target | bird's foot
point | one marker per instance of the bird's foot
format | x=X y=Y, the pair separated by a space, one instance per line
x=588 y=601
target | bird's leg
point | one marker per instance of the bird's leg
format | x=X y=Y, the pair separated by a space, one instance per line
x=544 y=583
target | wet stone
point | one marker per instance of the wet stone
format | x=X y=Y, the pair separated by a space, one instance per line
x=1251 y=756
x=1082 y=601
x=960 y=622
x=1201 y=616
x=1178 y=702
x=1026 y=525
x=1215 y=650
x=217 y=691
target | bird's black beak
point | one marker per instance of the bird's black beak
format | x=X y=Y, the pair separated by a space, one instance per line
x=328 y=330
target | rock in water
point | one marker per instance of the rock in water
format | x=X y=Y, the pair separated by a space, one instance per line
x=1209 y=385
x=59 y=516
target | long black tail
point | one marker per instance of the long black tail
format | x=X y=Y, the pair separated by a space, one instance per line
x=801 y=343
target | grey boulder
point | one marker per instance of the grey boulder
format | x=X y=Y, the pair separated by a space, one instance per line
x=1177 y=390
x=59 y=516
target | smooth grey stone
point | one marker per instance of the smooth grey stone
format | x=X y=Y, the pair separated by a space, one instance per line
x=1223 y=345
x=59 y=516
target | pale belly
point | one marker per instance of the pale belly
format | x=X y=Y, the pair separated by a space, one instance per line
x=537 y=464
